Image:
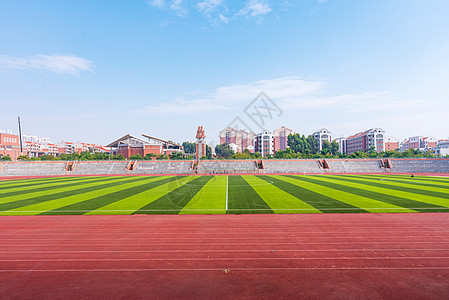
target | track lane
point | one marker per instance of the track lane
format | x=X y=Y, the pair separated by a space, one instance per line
x=226 y=256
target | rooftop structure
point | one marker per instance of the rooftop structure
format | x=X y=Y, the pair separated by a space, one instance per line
x=130 y=145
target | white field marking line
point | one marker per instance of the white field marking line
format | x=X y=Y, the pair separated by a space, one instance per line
x=227 y=259
x=232 y=269
x=237 y=185
x=227 y=188
x=359 y=250
x=404 y=181
x=216 y=209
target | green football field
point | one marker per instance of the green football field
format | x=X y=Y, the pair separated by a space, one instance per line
x=224 y=194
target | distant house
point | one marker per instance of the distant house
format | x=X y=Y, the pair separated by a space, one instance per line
x=130 y=145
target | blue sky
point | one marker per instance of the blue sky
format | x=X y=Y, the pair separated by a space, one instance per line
x=96 y=70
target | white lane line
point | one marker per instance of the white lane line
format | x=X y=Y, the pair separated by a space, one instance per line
x=226 y=244
x=105 y=241
x=228 y=236
x=225 y=259
x=238 y=230
x=249 y=236
x=240 y=234
x=222 y=251
x=234 y=269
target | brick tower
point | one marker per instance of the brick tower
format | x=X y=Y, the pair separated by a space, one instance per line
x=200 y=143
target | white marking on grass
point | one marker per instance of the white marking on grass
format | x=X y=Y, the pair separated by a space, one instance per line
x=227 y=188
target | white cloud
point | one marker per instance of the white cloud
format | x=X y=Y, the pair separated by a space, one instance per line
x=157 y=3
x=235 y=97
x=176 y=6
x=223 y=19
x=255 y=8
x=208 y=6
x=60 y=64
x=307 y=106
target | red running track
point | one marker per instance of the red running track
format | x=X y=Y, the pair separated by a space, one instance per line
x=335 y=256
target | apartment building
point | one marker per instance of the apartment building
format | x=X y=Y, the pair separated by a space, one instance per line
x=265 y=143
x=363 y=141
x=241 y=138
x=10 y=145
x=281 y=138
x=322 y=135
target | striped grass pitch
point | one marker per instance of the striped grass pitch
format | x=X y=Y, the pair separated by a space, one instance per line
x=237 y=194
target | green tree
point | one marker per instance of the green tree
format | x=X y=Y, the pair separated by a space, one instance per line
x=334 y=148
x=209 y=151
x=23 y=157
x=100 y=156
x=6 y=158
x=358 y=154
x=85 y=156
x=177 y=155
x=48 y=157
x=150 y=156
x=136 y=157
x=241 y=155
x=189 y=148
x=117 y=157
x=223 y=151
x=372 y=152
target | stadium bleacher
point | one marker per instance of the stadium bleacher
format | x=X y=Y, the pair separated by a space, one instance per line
x=227 y=166
x=417 y=165
x=292 y=166
x=354 y=166
x=163 y=167
x=297 y=166
x=32 y=168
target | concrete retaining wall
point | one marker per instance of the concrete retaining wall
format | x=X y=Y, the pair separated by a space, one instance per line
x=309 y=166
